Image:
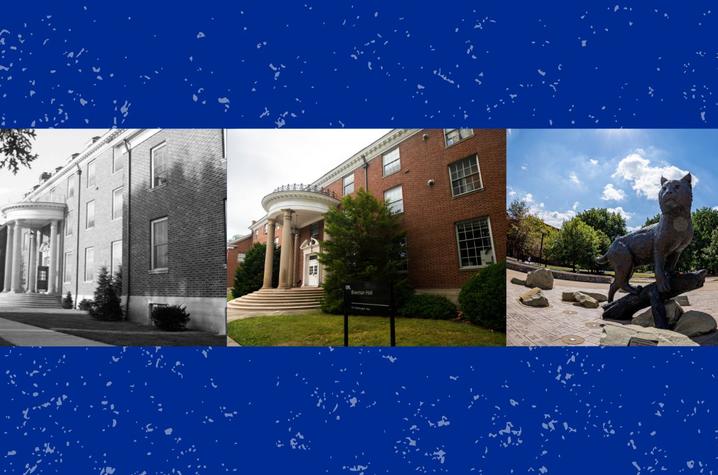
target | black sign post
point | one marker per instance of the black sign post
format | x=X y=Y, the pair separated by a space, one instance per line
x=369 y=297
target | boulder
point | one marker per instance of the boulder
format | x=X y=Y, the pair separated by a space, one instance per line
x=516 y=281
x=694 y=323
x=618 y=334
x=541 y=278
x=534 y=298
x=682 y=300
x=584 y=300
x=673 y=313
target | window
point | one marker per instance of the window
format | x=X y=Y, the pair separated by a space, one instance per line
x=89 y=264
x=90 y=215
x=314 y=230
x=67 y=271
x=159 y=244
x=240 y=257
x=91 y=174
x=68 y=224
x=52 y=194
x=71 y=187
x=348 y=184
x=117 y=203
x=395 y=199
x=117 y=162
x=453 y=136
x=465 y=176
x=158 y=165
x=474 y=240
x=266 y=228
x=391 y=161
x=115 y=257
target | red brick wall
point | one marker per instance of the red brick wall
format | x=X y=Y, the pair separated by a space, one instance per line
x=233 y=252
x=430 y=213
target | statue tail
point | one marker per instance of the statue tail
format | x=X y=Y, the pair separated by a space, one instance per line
x=602 y=259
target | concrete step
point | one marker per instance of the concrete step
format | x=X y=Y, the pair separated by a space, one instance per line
x=274 y=300
x=8 y=300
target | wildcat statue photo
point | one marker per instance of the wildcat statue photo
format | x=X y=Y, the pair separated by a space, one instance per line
x=660 y=244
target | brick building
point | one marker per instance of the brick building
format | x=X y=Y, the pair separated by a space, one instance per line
x=147 y=201
x=448 y=184
x=236 y=250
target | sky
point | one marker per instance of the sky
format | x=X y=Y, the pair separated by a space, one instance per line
x=260 y=160
x=53 y=147
x=562 y=172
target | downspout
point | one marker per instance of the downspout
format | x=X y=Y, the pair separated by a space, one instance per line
x=77 y=246
x=126 y=272
x=366 y=173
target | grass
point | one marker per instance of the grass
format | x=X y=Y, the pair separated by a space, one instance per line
x=229 y=295
x=328 y=330
x=122 y=333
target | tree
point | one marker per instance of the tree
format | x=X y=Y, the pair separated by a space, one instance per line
x=517 y=236
x=612 y=224
x=366 y=244
x=709 y=255
x=576 y=244
x=106 y=305
x=652 y=220
x=249 y=275
x=16 y=148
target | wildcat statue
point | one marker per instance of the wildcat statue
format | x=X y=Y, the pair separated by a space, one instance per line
x=660 y=244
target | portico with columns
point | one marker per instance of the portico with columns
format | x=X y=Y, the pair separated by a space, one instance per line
x=33 y=249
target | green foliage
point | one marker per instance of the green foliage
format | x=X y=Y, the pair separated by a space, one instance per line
x=85 y=305
x=171 y=318
x=652 y=220
x=16 y=148
x=434 y=307
x=249 y=275
x=67 y=301
x=610 y=223
x=106 y=305
x=366 y=244
x=483 y=297
x=577 y=244
x=527 y=234
x=709 y=255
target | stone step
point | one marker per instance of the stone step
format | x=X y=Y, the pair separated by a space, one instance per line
x=8 y=300
x=273 y=300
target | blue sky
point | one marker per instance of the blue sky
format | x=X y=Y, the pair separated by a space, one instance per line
x=561 y=172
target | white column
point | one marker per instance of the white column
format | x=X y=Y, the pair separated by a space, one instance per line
x=31 y=262
x=52 y=276
x=269 y=256
x=17 y=259
x=295 y=252
x=9 y=257
x=286 y=250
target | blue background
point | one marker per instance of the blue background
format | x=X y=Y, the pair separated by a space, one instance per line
x=369 y=64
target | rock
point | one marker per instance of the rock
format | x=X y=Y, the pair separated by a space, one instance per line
x=568 y=296
x=571 y=296
x=516 y=281
x=617 y=334
x=541 y=278
x=600 y=298
x=673 y=313
x=682 y=300
x=534 y=298
x=584 y=300
x=695 y=323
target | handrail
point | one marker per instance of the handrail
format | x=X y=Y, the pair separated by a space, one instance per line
x=307 y=188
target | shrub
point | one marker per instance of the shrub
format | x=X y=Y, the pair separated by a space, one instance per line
x=429 y=306
x=171 y=318
x=249 y=275
x=483 y=297
x=86 y=305
x=107 y=303
x=67 y=302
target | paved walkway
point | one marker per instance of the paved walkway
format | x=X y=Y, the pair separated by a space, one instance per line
x=562 y=323
x=20 y=334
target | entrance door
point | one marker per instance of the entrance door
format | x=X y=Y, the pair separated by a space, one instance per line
x=42 y=274
x=313 y=271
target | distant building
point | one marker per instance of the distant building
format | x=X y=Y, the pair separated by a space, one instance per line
x=147 y=201
x=448 y=185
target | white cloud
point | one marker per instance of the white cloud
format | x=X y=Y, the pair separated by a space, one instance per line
x=593 y=162
x=554 y=218
x=626 y=215
x=645 y=178
x=610 y=193
x=574 y=178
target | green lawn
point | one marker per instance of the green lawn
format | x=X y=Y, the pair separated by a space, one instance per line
x=328 y=330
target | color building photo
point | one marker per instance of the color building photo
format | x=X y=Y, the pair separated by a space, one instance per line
x=113 y=237
x=310 y=211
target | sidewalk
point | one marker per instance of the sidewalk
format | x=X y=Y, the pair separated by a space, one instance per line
x=20 y=334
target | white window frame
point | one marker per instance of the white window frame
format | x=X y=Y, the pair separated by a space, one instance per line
x=345 y=184
x=87 y=214
x=121 y=190
x=70 y=186
x=153 y=245
x=389 y=203
x=117 y=158
x=460 y=132
x=68 y=223
x=66 y=271
x=153 y=150
x=91 y=166
x=92 y=278
x=491 y=239
x=452 y=179
x=384 y=163
x=112 y=256
x=241 y=257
